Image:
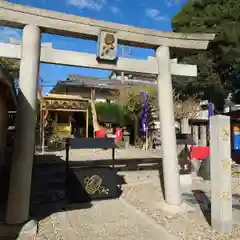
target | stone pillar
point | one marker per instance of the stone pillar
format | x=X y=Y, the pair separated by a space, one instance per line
x=221 y=180
x=203 y=136
x=167 y=124
x=21 y=172
x=195 y=134
x=185 y=128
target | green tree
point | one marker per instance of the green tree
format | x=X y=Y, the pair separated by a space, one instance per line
x=131 y=100
x=11 y=66
x=109 y=111
x=219 y=66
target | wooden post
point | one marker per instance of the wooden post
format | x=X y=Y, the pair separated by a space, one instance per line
x=203 y=135
x=40 y=117
x=185 y=173
x=195 y=133
x=96 y=125
x=221 y=179
x=42 y=135
x=87 y=123
x=185 y=128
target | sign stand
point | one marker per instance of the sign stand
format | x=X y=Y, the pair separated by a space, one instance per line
x=146 y=140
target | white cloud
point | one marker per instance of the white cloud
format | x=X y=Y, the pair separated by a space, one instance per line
x=154 y=14
x=115 y=10
x=95 y=5
x=171 y=3
x=6 y=33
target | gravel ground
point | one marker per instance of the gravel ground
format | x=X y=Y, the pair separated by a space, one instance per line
x=191 y=225
x=110 y=219
x=97 y=154
x=114 y=220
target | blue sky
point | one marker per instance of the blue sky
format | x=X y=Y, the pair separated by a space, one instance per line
x=155 y=14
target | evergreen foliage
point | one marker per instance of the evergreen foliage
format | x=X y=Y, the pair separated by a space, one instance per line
x=219 y=66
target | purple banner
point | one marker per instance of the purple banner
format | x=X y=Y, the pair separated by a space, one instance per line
x=144 y=113
x=210 y=112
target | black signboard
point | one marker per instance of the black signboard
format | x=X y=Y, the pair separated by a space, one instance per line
x=92 y=183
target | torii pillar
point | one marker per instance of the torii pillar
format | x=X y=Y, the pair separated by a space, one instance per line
x=21 y=171
x=167 y=123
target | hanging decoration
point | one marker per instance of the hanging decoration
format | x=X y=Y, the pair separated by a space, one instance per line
x=210 y=111
x=144 y=114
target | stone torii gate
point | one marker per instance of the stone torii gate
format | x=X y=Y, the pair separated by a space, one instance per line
x=36 y=21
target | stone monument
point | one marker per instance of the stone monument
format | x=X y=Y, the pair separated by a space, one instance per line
x=221 y=188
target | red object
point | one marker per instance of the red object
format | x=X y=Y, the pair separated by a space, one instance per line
x=199 y=153
x=119 y=135
x=101 y=133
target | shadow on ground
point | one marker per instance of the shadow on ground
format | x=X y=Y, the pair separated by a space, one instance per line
x=199 y=197
x=236 y=201
x=52 y=191
x=204 y=203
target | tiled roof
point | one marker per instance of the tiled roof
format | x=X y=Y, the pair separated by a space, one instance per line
x=94 y=82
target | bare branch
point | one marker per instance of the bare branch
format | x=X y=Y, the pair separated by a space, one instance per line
x=130 y=98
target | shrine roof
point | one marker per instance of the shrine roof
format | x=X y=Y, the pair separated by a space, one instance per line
x=95 y=82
